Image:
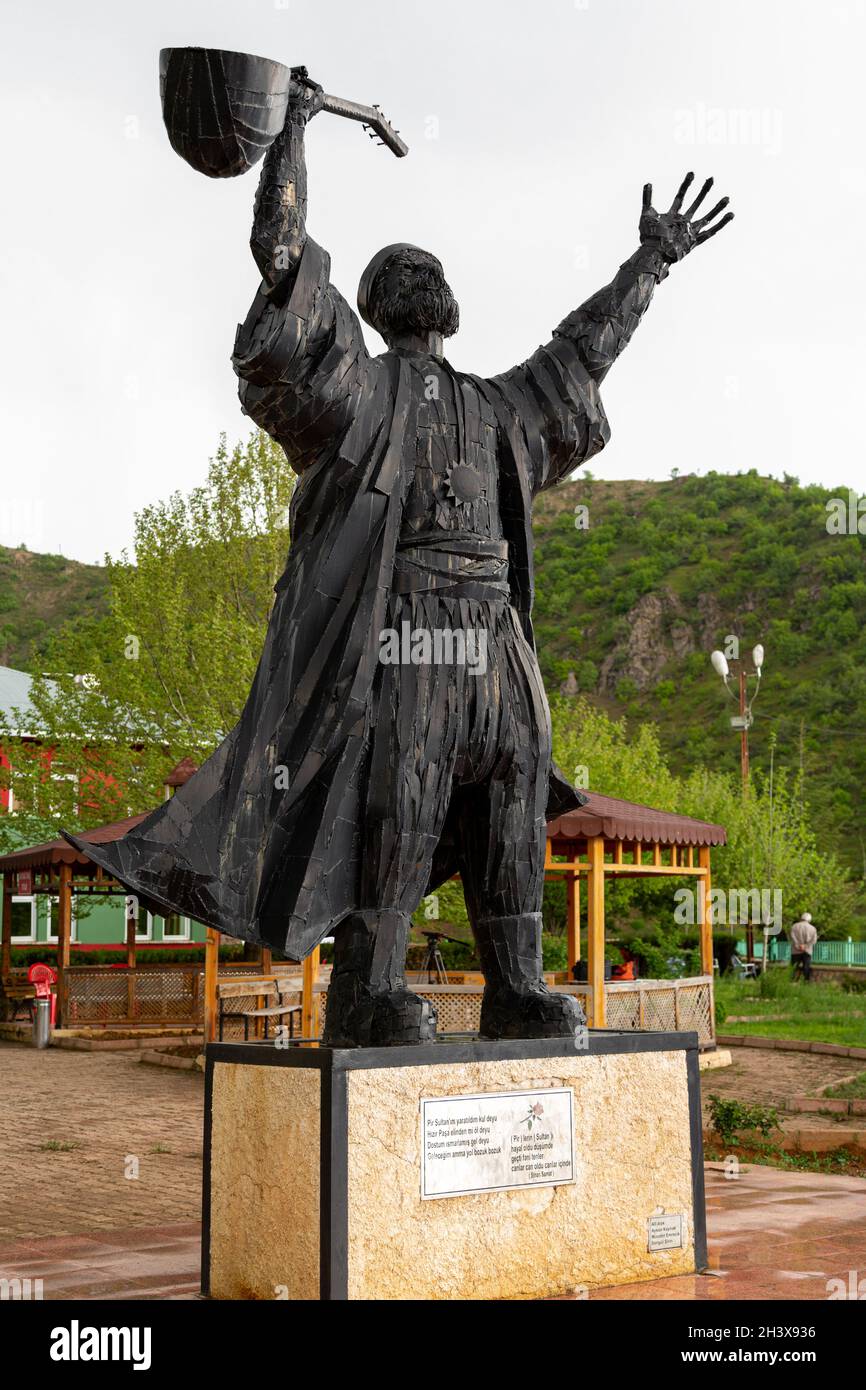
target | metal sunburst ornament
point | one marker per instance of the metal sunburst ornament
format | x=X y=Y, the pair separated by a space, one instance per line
x=464 y=488
x=463 y=483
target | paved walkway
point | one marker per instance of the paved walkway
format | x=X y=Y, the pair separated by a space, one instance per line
x=772 y=1235
x=139 y=1263
x=74 y=1218
x=771 y=1078
x=120 y=1118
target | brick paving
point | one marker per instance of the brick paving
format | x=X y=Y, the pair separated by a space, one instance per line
x=770 y=1078
x=111 y=1108
x=772 y=1235
x=72 y=1219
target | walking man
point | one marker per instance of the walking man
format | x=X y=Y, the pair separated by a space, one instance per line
x=803 y=938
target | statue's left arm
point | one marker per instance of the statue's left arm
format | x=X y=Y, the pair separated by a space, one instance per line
x=556 y=391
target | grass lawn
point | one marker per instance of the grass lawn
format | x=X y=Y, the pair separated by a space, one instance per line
x=847 y=1161
x=778 y=1007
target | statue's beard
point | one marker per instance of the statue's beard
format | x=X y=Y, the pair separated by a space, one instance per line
x=428 y=309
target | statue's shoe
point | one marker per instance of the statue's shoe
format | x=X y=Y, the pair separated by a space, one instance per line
x=356 y=1018
x=529 y=1013
x=401 y=1018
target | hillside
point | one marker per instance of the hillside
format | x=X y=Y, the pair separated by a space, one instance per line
x=634 y=604
x=38 y=593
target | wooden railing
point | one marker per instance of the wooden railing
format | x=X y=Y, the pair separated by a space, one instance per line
x=666 y=1006
x=174 y=994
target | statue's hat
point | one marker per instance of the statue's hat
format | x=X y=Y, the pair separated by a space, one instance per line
x=372 y=270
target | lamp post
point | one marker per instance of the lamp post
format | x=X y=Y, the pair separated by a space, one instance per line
x=743 y=720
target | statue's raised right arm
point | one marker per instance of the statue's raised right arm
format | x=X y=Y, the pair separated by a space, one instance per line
x=300 y=353
x=280 y=216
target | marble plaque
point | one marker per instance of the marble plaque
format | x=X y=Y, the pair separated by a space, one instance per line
x=666 y=1231
x=496 y=1141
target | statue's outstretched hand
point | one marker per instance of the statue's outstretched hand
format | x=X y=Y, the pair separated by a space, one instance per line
x=676 y=233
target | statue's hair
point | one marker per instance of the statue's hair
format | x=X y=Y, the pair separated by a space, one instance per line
x=412 y=307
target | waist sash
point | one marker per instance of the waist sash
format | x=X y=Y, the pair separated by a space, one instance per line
x=457 y=566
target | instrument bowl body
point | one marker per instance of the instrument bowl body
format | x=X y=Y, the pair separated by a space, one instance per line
x=221 y=110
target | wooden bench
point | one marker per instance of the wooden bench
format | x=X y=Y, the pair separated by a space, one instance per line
x=265 y=990
x=15 y=996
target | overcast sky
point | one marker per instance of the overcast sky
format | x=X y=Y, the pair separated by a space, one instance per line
x=532 y=128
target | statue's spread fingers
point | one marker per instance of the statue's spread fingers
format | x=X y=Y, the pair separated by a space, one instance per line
x=681 y=193
x=702 y=221
x=647 y=197
x=711 y=231
x=690 y=212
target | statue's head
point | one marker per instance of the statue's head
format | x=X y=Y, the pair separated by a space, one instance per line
x=404 y=290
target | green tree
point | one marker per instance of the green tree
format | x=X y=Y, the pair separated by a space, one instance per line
x=165 y=673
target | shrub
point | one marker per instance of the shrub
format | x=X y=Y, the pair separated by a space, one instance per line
x=774 y=983
x=729 y=1115
x=554 y=950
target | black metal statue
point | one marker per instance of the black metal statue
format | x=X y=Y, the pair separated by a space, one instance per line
x=397 y=729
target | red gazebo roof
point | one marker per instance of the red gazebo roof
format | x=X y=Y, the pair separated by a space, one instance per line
x=628 y=820
x=609 y=816
x=62 y=852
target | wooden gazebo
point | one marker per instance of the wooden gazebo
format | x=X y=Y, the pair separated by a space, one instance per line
x=131 y=993
x=610 y=838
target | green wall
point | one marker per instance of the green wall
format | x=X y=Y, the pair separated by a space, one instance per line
x=96 y=921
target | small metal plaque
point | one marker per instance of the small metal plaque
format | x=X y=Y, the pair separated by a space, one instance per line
x=496 y=1142
x=666 y=1231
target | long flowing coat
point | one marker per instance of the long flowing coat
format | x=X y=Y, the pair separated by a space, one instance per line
x=259 y=842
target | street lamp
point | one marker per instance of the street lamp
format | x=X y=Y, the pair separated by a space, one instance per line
x=743 y=720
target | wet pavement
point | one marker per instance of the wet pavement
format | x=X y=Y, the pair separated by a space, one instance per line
x=772 y=1235
x=141 y=1263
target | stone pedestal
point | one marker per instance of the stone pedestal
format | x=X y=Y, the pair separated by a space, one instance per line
x=458 y=1170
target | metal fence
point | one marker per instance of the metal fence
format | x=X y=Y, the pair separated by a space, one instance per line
x=825 y=952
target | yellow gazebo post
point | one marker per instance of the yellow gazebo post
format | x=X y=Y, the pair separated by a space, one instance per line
x=211 y=970
x=309 y=1001
x=572 y=916
x=595 y=927
x=64 y=932
x=706 y=911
